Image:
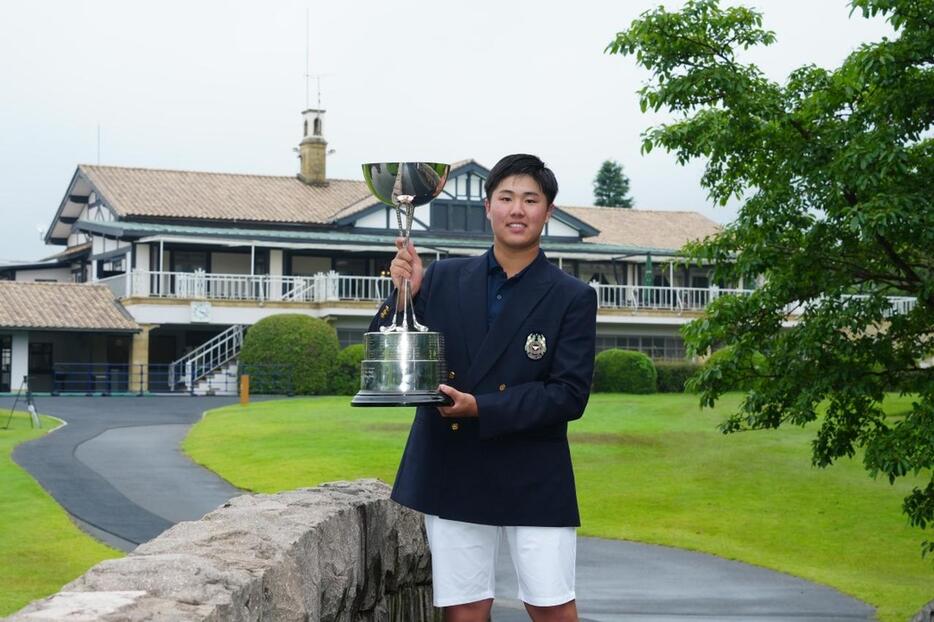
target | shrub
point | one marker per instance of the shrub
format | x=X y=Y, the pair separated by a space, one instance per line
x=673 y=374
x=623 y=371
x=345 y=379
x=289 y=353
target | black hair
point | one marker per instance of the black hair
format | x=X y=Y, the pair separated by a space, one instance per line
x=523 y=164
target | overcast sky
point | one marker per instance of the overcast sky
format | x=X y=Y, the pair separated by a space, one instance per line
x=219 y=86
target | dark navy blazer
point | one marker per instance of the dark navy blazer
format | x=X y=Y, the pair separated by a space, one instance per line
x=511 y=465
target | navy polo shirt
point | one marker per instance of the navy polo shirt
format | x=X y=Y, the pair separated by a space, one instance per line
x=498 y=287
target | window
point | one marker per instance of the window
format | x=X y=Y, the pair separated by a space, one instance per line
x=350 y=266
x=460 y=216
x=439 y=216
x=189 y=261
x=40 y=358
x=655 y=347
x=349 y=337
x=476 y=219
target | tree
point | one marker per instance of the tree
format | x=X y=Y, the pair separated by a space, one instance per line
x=611 y=186
x=834 y=169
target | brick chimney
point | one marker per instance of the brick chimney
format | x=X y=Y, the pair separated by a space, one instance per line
x=313 y=149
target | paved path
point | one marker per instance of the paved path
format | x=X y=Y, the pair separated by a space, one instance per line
x=116 y=467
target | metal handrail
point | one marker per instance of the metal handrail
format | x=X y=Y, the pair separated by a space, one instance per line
x=207 y=358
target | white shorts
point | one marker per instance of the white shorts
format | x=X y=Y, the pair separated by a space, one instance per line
x=463 y=561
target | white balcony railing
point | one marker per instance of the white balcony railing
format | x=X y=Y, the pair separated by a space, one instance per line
x=331 y=286
x=663 y=298
x=249 y=287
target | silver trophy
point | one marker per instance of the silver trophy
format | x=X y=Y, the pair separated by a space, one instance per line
x=403 y=363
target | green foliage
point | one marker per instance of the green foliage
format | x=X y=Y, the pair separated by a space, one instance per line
x=731 y=372
x=42 y=547
x=623 y=371
x=289 y=353
x=611 y=186
x=833 y=168
x=345 y=379
x=672 y=375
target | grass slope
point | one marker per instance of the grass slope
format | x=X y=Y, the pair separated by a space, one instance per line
x=649 y=468
x=40 y=548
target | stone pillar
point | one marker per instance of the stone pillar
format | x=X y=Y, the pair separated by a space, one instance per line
x=20 y=362
x=139 y=359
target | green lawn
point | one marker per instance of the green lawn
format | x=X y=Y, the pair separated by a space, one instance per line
x=649 y=468
x=40 y=548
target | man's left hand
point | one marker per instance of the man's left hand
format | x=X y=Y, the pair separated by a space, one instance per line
x=465 y=404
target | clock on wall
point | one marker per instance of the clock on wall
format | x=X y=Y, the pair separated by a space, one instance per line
x=200 y=311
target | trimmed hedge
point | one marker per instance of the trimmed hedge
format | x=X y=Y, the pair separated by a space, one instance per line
x=291 y=353
x=345 y=379
x=673 y=374
x=623 y=371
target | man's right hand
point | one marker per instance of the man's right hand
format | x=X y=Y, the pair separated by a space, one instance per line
x=406 y=264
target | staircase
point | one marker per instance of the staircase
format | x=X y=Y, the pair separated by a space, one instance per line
x=224 y=381
x=211 y=358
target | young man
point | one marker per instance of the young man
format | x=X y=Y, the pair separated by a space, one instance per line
x=519 y=338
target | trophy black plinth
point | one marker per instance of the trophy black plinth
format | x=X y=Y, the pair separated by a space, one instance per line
x=367 y=398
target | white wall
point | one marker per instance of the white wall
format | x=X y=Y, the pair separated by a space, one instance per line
x=422 y=213
x=225 y=315
x=142 y=256
x=60 y=275
x=558 y=228
x=375 y=220
x=100 y=244
x=20 y=362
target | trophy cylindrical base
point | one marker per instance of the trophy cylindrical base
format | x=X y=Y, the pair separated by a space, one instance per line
x=402 y=368
x=365 y=398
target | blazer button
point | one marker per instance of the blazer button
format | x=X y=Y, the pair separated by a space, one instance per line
x=451 y=375
x=455 y=426
x=502 y=387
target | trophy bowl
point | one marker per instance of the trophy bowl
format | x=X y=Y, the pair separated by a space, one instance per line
x=403 y=363
x=422 y=181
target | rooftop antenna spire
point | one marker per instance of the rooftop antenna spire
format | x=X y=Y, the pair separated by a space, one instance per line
x=308 y=74
x=307 y=55
x=98 y=144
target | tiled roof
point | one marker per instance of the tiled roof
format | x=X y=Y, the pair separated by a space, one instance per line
x=343 y=238
x=69 y=252
x=62 y=306
x=645 y=228
x=156 y=193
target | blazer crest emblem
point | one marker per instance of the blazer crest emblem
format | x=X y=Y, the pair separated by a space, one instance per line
x=535 y=347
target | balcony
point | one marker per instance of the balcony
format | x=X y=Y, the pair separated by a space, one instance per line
x=334 y=287
x=322 y=287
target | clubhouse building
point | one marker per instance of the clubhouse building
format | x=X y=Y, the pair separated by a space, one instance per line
x=160 y=272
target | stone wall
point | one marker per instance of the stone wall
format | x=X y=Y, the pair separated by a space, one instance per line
x=926 y=614
x=339 y=552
